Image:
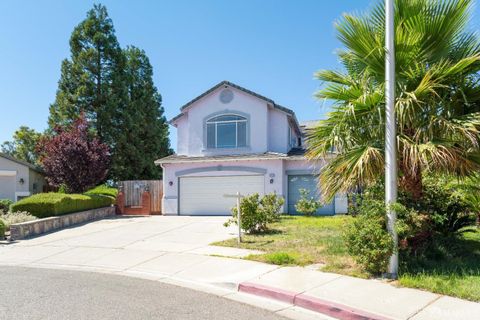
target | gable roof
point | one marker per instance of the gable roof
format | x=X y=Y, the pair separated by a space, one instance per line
x=27 y=164
x=233 y=85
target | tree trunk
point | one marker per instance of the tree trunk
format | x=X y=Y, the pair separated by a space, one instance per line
x=411 y=182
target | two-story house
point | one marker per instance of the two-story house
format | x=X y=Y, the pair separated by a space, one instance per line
x=231 y=140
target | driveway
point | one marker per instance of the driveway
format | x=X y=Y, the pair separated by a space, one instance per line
x=159 y=246
x=171 y=250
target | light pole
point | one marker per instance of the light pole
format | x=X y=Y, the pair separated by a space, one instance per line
x=390 y=133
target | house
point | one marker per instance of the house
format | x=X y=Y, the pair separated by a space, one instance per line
x=19 y=179
x=231 y=140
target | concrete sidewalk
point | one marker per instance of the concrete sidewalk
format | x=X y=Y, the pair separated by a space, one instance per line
x=176 y=250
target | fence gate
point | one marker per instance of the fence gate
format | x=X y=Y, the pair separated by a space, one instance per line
x=133 y=190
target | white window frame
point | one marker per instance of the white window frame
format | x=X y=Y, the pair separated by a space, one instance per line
x=215 y=123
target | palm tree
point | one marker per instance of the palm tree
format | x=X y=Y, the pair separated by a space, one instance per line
x=437 y=97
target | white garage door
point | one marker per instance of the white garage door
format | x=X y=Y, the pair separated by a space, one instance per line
x=7 y=187
x=205 y=195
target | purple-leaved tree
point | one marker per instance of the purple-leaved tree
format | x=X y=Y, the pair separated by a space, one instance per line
x=74 y=157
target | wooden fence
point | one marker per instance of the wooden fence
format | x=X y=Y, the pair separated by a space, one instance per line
x=133 y=193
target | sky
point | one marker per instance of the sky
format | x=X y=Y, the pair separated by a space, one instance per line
x=272 y=47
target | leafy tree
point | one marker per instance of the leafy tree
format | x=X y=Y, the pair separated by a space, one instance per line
x=74 y=157
x=23 y=145
x=437 y=97
x=147 y=140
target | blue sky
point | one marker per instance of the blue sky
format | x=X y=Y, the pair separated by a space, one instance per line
x=272 y=47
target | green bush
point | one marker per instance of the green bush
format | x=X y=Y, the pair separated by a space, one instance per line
x=2 y=230
x=443 y=204
x=5 y=204
x=257 y=213
x=44 y=205
x=368 y=240
x=104 y=190
x=307 y=205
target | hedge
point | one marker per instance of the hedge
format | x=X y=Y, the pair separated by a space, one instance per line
x=103 y=190
x=44 y=205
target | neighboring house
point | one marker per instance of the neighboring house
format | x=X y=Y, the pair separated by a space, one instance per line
x=19 y=179
x=231 y=140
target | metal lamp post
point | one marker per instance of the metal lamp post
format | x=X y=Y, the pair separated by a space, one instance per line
x=390 y=133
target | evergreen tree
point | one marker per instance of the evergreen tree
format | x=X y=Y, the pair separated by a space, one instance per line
x=148 y=139
x=115 y=91
x=92 y=80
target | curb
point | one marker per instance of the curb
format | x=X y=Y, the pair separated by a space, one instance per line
x=329 y=308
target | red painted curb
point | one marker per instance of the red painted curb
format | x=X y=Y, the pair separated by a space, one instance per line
x=268 y=292
x=333 y=309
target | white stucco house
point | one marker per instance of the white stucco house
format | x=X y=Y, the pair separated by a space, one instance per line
x=230 y=140
x=19 y=179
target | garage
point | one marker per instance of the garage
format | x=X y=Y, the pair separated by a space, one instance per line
x=205 y=195
x=308 y=182
x=7 y=187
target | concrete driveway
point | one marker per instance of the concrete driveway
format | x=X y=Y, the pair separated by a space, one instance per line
x=173 y=250
x=156 y=245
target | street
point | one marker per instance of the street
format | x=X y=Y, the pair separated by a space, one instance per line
x=29 y=293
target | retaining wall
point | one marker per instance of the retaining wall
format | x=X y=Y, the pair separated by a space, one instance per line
x=36 y=227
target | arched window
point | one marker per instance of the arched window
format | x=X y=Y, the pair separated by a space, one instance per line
x=227 y=131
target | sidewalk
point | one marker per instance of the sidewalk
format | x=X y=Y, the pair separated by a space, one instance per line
x=179 y=254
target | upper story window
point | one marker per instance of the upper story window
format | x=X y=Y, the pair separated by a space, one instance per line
x=227 y=131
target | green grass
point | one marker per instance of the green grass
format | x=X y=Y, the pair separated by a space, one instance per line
x=451 y=266
x=297 y=240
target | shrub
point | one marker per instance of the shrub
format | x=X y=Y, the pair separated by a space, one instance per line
x=270 y=205
x=307 y=205
x=257 y=213
x=44 y=205
x=5 y=204
x=368 y=240
x=443 y=204
x=2 y=230
x=15 y=217
x=103 y=190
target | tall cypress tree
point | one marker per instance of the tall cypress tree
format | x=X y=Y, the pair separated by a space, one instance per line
x=92 y=80
x=114 y=89
x=149 y=140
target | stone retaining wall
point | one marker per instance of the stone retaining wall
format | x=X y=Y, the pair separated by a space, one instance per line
x=36 y=227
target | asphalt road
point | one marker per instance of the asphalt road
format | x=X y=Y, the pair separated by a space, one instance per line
x=27 y=293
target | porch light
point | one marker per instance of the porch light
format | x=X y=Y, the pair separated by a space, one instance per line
x=21 y=181
x=170 y=183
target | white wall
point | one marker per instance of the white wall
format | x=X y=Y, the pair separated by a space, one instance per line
x=278 y=131
x=264 y=123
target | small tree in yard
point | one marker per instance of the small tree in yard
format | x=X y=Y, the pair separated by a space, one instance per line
x=74 y=157
x=257 y=213
x=307 y=205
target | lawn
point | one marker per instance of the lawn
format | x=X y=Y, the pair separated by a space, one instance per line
x=452 y=267
x=298 y=240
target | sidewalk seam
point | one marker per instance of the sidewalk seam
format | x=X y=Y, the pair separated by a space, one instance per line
x=425 y=306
